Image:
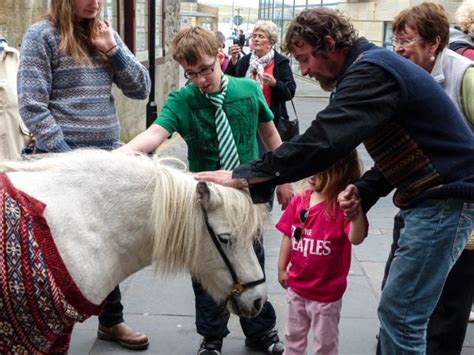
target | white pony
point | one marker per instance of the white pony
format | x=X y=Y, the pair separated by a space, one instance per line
x=112 y=214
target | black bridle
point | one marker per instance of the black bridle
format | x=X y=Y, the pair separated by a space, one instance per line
x=238 y=286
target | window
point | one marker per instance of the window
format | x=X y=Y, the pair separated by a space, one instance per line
x=110 y=13
x=387 y=35
x=137 y=28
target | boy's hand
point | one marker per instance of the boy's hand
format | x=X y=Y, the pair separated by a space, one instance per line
x=349 y=202
x=283 y=278
x=284 y=195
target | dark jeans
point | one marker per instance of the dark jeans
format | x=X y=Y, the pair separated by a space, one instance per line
x=448 y=322
x=211 y=318
x=112 y=311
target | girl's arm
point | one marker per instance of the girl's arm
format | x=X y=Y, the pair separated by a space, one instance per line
x=358 y=229
x=283 y=261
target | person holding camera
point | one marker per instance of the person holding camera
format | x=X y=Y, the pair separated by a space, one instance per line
x=268 y=67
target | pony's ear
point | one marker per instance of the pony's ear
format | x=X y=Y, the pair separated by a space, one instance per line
x=207 y=196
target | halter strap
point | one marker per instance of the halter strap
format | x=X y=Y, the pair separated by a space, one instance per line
x=239 y=286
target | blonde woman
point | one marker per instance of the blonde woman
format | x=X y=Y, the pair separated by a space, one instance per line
x=69 y=61
x=268 y=67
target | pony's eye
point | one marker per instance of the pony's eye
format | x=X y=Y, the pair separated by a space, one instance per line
x=225 y=238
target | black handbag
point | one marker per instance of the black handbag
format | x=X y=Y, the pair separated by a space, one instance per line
x=288 y=128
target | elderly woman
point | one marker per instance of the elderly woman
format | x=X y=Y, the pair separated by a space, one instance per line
x=421 y=34
x=268 y=67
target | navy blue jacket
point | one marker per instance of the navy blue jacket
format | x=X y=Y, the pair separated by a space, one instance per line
x=420 y=144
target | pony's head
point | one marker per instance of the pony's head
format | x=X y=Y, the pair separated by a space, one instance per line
x=229 y=268
x=198 y=226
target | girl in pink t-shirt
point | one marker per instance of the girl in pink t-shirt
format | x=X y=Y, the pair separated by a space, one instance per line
x=317 y=247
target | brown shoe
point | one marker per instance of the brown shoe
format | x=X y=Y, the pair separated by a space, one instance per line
x=124 y=335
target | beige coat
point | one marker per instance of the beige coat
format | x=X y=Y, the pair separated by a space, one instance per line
x=13 y=133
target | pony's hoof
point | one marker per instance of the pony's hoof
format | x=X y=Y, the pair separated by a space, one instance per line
x=123 y=335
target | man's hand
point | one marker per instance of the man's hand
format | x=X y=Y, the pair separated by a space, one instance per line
x=284 y=194
x=349 y=201
x=221 y=177
x=224 y=178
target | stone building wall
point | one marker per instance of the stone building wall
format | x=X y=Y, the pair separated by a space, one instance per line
x=369 y=16
x=17 y=15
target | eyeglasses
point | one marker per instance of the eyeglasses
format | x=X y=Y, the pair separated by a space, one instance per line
x=204 y=72
x=298 y=231
x=404 y=42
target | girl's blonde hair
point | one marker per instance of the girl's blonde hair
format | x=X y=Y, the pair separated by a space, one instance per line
x=335 y=179
x=75 y=36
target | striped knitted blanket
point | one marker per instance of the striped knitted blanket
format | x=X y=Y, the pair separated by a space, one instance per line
x=39 y=301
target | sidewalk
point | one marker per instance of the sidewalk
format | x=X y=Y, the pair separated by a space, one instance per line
x=164 y=308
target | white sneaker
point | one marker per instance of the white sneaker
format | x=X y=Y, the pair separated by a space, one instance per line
x=471 y=317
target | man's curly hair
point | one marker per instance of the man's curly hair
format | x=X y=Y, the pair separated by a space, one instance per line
x=312 y=25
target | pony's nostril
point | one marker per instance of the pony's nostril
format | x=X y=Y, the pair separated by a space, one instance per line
x=257 y=303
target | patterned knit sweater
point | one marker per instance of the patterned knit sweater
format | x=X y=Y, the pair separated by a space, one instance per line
x=68 y=105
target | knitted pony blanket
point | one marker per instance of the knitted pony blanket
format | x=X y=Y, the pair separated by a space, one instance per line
x=39 y=301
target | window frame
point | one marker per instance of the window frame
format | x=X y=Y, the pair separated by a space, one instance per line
x=130 y=31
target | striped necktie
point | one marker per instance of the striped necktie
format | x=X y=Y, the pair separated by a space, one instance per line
x=228 y=154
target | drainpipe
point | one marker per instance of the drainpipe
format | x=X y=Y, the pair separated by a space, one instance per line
x=151 y=109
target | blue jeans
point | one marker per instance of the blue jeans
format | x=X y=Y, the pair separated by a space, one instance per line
x=212 y=318
x=434 y=235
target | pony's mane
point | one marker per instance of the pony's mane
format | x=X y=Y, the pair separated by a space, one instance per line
x=177 y=215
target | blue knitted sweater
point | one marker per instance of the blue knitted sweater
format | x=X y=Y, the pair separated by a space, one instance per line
x=66 y=104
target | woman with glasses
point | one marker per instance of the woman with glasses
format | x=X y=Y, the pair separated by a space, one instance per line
x=317 y=243
x=421 y=34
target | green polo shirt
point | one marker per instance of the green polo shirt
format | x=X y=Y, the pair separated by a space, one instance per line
x=188 y=112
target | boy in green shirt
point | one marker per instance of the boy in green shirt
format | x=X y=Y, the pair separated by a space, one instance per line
x=218 y=117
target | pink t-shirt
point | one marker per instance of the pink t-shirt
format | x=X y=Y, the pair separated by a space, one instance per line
x=320 y=260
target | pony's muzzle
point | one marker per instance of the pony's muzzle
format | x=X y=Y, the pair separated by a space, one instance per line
x=248 y=304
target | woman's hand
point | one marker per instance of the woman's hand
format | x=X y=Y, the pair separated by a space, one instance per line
x=268 y=79
x=104 y=40
x=235 y=53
